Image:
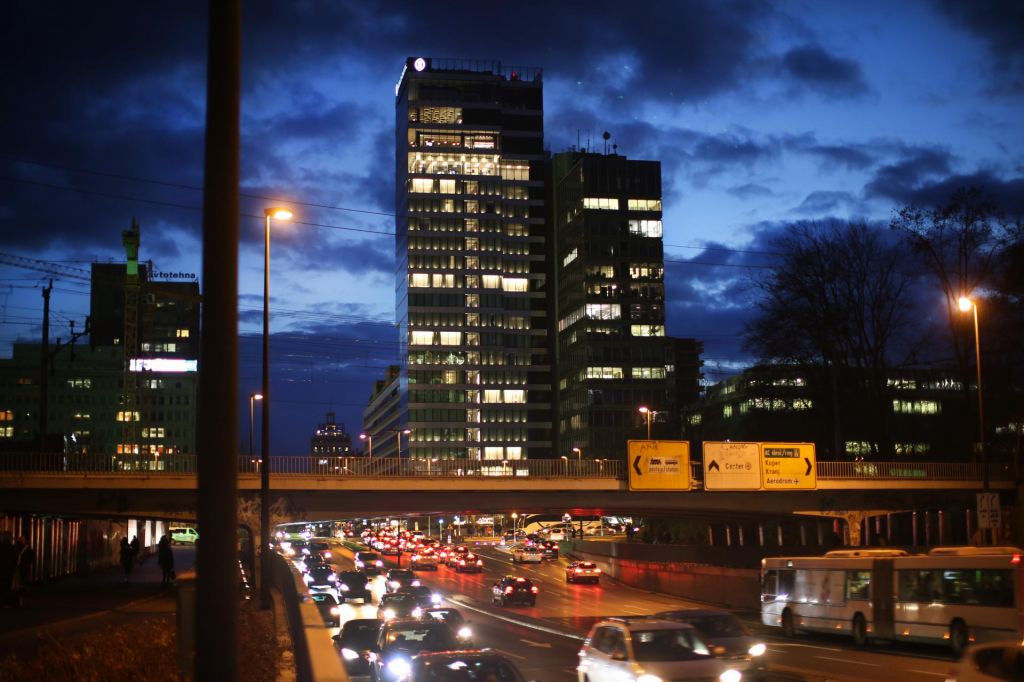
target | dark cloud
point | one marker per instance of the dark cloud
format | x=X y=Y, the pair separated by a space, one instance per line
x=813 y=66
x=1000 y=24
x=851 y=157
x=1008 y=194
x=750 y=191
x=898 y=180
x=823 y=202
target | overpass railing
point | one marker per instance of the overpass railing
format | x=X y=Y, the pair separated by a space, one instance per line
x=385 y=467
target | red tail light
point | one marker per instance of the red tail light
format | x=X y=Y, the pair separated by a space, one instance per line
x=508 y=590
x=534 y=589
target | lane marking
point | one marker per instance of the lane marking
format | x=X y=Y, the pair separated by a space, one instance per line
x=539 y=645
x=509 y=653
x=847 y=660
x=928 y=672
x=531 y=626
x=808 y=646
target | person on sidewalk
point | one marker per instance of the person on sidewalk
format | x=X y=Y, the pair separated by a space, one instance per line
x=165 y=557
x=126 y=558
x=25 y=558
x=134 y=544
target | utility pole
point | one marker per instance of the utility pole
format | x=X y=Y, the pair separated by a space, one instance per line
x=44 y=373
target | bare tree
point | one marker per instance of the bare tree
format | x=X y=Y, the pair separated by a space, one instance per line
x=839 y=300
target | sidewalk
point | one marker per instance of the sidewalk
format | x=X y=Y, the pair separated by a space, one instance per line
x=82 y=603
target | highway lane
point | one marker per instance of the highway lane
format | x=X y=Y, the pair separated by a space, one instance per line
x=544 y=639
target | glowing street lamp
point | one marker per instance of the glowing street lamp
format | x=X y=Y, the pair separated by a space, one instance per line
x=644 y=410
x=369 y=439
x=966 y=304
x=265 y=568
x=565 y=461
x=515 y=518
x=398 y=436
x=579 y=455
x=252 y=397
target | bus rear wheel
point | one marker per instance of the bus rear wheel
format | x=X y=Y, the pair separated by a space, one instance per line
x=787 y=624
x=959 y=637
x=859 y=630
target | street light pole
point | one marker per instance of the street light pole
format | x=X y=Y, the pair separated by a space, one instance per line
x=252 y=397
x=966 y=304
x=647 y=412
x=368 y=438
x=265 y=599
x=398 y=436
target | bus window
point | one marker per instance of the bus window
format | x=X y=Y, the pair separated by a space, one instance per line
x=982 y=587
x=858 y=584
x=920 y=585
x=778 y=584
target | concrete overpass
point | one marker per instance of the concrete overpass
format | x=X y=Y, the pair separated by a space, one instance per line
x=312 y=488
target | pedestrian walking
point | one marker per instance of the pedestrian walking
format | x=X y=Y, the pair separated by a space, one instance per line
x=25 y=558
x=165 y=557
x=126 y=558
x=8 y=569
x=134 y=544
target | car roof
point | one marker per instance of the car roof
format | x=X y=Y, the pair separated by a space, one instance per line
x=645 y=623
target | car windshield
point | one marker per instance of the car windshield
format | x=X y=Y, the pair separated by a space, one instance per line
x=401 y=575
x=430 y=637
x=667 y=645
x=367 y=557
x=489 y=670
x=586 y=564
x=725 y=625
x=360 y=633
x=450 y=616
x=353 y=578
x=416 y=591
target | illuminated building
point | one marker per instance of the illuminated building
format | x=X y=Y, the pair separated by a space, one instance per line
x=471 y=282
x=330 y=439
x=613 y=355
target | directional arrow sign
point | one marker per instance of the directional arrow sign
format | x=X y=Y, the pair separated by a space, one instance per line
x=731 y=466
x=659 y=465
x=788 y=466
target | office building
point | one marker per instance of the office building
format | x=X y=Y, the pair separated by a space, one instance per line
x=471 y=280
x=330 y=439
x=613 y=355
x=381 y=417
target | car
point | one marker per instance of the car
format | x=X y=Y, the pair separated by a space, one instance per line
x=423 y=560
x=453 y=554
x=1000 y=660
x=469 y=563
x=481 y=665
x=354 y=585
x=321 y=578
x=549 y=550
x=327 y=604
x=512 y=590
x=423 y=595
x=369 y=563
x=582 y=571
x=725 y=634
x=556 y=535
x=398 y=605
x=183 y=536
x=311 y=561
x=354 y=642
x=398 y=578
x=319 y=547
x=458 y=624
x=399 y=640
x=646 y=648
x=522 y=554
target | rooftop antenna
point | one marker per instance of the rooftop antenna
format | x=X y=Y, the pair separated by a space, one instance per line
x=607 y=136
x=577 y=138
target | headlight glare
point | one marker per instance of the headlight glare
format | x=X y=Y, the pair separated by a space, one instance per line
x=399 y=667
x=349 y=654
x=758 y=649
x=465 y=632
x=648 y=678
x=730 y=676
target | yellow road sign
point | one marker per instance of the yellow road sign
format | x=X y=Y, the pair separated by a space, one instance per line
x=788 y=466
x=732 y=466
x=659 y=465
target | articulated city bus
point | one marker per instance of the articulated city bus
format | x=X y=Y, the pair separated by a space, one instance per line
x=952 y=595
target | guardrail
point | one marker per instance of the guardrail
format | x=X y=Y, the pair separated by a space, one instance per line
x=383 y=467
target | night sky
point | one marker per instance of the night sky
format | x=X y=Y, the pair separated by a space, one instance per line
x=761 y=114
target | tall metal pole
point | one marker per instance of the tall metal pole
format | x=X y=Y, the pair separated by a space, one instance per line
x=44 y=371
x=981 y=403
x=252 y=399
x=216 y=599
x=265 y=600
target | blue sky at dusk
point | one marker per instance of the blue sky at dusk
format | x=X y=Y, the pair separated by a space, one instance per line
x=761 y=114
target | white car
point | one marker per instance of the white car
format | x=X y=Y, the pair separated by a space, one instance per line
x=184 y=536
x=645 y=648
x=522 y=554
x=992 y=662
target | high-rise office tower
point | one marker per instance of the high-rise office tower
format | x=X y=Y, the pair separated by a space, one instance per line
x=470 y=238
x=613 y=356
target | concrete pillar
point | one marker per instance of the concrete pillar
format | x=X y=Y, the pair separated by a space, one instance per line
x=778 y=529
x=711 y=535
x=803 y=534
x=728 y=535
x=888 y=528
x=821 y=533
x=927 y=529
x=913 y=529
x=739 y=532
x=942 y=535
x=866 y=536
x=760 y=534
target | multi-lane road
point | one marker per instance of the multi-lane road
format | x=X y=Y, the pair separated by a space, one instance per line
x=544 y=639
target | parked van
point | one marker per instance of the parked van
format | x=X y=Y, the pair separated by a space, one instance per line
x=188 y=536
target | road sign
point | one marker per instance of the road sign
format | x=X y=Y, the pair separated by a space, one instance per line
x=659 y=465
x=732 y=466
x=989 y=512
x=788 y=466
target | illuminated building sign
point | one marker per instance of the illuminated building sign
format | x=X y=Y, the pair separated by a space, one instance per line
x=163 y=365
x=175 y=275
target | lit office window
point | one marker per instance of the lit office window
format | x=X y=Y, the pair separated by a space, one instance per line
x=604 y=311
x=447 y=186
x=601 y=203
x=604 y=373
x=182 y=333
x=648 y=372
x=422 y=338
x=492 y=281
x=451 y=338
x=492 y=395
x=419 y=279
x=515 y=395
x=916 y=406
x=644 y=204
x=127 y=416
x=422 y=185
x=515 y=284
x=645 y=228
x=570 y=257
